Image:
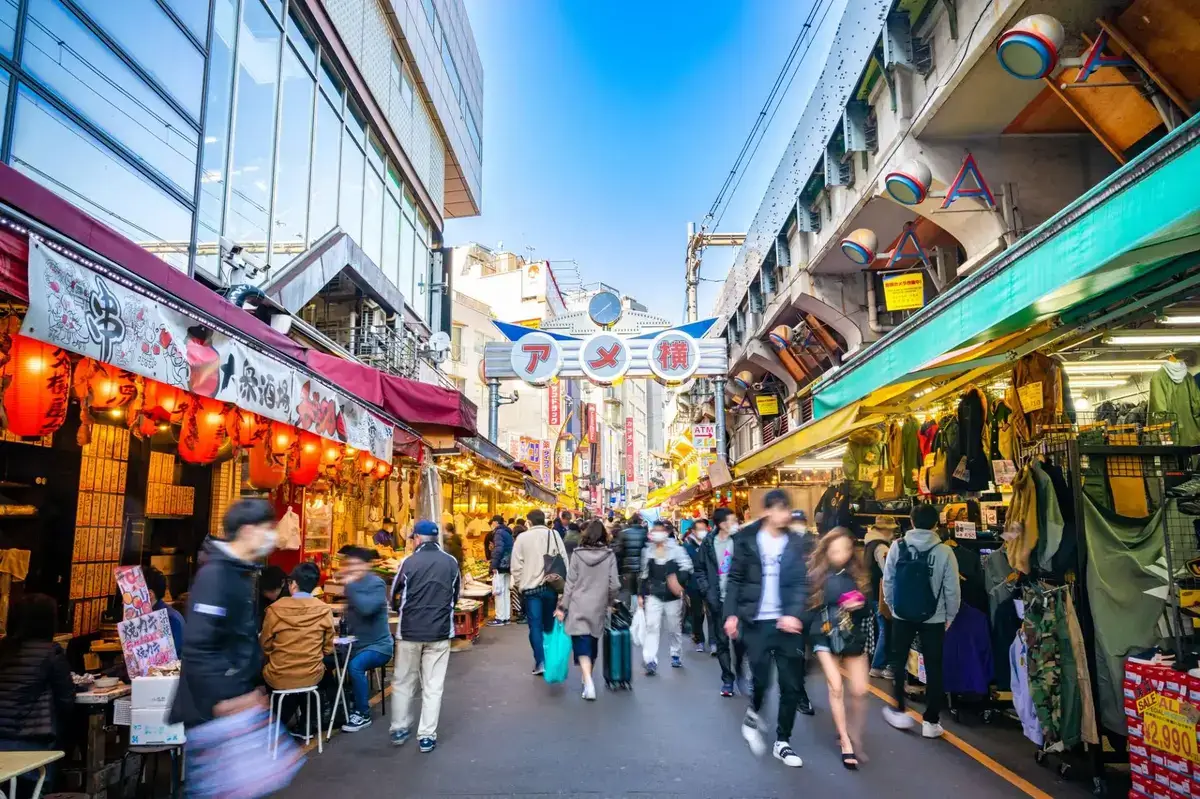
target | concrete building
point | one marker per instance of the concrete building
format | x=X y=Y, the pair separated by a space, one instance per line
x=917 y=87
x=310 y=149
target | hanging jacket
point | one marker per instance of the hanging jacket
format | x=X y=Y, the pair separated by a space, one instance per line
x=890 y=484
x=910 y=453
x=1002 y=432
x=1021 y=521
x=863 y=460
x=1172 y=393
x=926 y=435
x=1035 y=369
x=973 y=443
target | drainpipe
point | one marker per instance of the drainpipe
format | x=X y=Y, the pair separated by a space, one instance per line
x=873 y=308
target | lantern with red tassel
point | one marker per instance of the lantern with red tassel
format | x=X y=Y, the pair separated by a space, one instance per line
x=281 y=438
x=204 y=431
x=247 y=428
x=267 y=470
x=382 y=470
x=108 y=387
x=306 y=459
x=366 y=463
x=38 y=387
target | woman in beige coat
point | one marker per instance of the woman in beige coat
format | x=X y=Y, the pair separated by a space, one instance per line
x=592 y=585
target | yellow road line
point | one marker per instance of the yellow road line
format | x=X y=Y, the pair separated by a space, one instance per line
x=1018 y=782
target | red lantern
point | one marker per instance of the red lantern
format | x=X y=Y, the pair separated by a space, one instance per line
x=281 y=438
x=204 y=432
x=164 y=403
x=382 y=470
x=247 y=428
x=38 y=378
x=366 y=463
x=267 y=470
x=306 y=460
x=104 y=386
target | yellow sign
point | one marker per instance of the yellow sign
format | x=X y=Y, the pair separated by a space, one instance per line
x=1170 y=726
x=904 y=292
x=767 y=404
x=1030 y=395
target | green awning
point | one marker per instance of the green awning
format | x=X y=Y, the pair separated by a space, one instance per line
x=1142 y=217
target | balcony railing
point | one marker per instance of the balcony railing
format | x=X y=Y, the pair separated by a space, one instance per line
x=386 y=349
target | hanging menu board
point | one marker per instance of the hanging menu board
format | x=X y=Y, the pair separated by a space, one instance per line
x=99 y=525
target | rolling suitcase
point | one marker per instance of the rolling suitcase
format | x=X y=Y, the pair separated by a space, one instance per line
x=617 y=653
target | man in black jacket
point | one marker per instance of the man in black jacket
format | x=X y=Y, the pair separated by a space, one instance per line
x=428 y=584
x=766 y=596
x=500 y=558
x=630 y=547
x=221 y=658
x=713 y=564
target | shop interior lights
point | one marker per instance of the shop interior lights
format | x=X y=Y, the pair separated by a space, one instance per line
x=1153 y=338
x=1191 y=316
x=1098 y=382
x=1111 y=367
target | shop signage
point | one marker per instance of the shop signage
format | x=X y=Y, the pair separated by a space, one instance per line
x=554 y=411
x=704 y=436
x=904 y=292
x=135 y=595
x=1169 y=725
x=604 y=358
x=593 y=424
x=546 y=463
x=674 y=356
x=965 y=531
x=630 y=457
x=767 y=404
x=536 y=358
x=146 y=641
x=79 y=310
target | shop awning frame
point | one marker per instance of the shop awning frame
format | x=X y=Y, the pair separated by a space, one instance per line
x=1137 y=220
x=815 y=434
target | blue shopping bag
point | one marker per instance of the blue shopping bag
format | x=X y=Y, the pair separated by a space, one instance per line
x=558 y=654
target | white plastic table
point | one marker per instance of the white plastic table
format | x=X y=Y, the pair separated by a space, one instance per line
x=341 y=666
x=14 y=764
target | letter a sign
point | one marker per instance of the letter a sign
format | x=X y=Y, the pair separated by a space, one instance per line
x=536 y=358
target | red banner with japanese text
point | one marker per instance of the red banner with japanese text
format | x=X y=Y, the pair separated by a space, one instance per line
x=554 y=412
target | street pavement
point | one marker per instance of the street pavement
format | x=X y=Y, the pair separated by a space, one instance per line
x=504 y=733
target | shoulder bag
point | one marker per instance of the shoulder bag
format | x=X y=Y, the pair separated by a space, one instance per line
x=554 y=567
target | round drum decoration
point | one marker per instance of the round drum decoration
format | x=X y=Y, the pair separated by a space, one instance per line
x=1029 y=49
x=909 y=185
x=860 y=246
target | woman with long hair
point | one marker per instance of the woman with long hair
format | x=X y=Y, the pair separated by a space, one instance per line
x=592 y=585
x=839 y=619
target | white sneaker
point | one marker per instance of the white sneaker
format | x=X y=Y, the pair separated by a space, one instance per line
x=932 y=730
x=589 y=691
x=752 y=734
x=784 y=753
x=898 y=719
x=883 y=674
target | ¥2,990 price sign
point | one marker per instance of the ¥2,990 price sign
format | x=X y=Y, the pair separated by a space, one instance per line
x=1169 y=725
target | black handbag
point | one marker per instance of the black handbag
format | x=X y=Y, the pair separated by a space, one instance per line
x=554 y=567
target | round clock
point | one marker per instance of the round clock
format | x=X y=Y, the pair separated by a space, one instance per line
x=605 y=308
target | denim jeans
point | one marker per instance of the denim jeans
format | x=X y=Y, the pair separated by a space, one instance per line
x=360 y=664
x=882 y=628
x=539 y=614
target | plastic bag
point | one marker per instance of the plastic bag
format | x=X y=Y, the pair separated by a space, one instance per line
x=228 y=758
x=558 y=654
x=637 y=628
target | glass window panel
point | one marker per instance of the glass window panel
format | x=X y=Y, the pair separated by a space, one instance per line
x=61 y=156
x=298 y=34
x=350 y=208
x=430 y=12
x=8 y=25
x=473 y=130
x=375 y=154
x=254 y=133
x=410 y=209
x=331 y=84
x=291 y=177
x=406 y=90
x=356 y=125
x=451 y=70
x=152 y=39
x=216 y=132
x=390 y=262
x=372 y=237
x=89 y=77
x=326 y=161
x=394 y=184
x=420 y=291
x=194 y=14
x=404 y=280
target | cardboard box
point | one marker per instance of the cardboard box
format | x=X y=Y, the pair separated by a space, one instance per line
x=153 y=692
x=149 y=726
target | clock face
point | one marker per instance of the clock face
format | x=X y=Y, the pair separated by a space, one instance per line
x=605 y=308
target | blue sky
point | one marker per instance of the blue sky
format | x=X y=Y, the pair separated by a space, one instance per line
x=609 y=125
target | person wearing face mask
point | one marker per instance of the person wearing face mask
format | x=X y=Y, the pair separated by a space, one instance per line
x=695 y=597
x=221 y=656
x=712 y=573
x=666 y=568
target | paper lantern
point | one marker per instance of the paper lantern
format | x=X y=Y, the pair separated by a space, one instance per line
x=204 y=431
x=267 y=470
x=39 y=387
x=909 y=185
x=164 y=403
x=860 y=246
x=247 y=428
x=382 y=470
x=306 y=459
x=366 y=463
x=102 y=386
x=281 y=438
x=331 y=455
x=1029 y=49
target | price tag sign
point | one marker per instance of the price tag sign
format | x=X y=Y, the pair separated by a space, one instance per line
x=889 y=483
x=1004 y=472
x=961 y=472
x=990 y=515
x=866 y=474
x=965 y=531
x=1030 y=395
x=1169 y=725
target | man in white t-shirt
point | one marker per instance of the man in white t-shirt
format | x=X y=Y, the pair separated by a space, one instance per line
x=765 y=598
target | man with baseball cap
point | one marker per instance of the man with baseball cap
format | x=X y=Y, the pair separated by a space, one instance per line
x=428 y=585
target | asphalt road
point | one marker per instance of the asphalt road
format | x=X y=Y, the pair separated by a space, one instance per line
x=504 y=733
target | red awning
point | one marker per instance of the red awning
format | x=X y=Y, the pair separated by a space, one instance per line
x=415 y=402
x=410 y=401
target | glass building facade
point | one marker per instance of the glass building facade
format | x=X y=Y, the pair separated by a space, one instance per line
x=177 y=122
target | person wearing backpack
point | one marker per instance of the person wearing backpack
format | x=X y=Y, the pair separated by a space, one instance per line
x=921 y=586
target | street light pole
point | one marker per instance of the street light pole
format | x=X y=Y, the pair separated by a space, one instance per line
x=719 y=412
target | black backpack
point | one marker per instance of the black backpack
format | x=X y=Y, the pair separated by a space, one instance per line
x=915 y=599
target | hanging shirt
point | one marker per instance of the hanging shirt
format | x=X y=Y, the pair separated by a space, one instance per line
x=1018 y=661
x=770 y=551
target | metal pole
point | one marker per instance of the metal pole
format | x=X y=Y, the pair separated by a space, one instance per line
x=493 y=408
x=719 y=412
x=692 y=276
